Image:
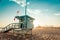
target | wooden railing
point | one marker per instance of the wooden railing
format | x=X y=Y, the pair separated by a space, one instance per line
x=9 y=27
x=15 y=27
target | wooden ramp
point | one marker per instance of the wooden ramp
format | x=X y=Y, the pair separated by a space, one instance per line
x=26 y=34
x=9 y=27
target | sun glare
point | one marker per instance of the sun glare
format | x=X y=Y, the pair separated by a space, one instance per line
x=36 y=23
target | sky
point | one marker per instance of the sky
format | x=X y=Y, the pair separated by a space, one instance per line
x=47 y=12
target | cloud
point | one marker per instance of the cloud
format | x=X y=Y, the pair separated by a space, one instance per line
x=34 y=11
x=17 y=1
x=21 y=2
x=57 y=14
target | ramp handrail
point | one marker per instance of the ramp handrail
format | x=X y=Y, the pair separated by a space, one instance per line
x=9 y=27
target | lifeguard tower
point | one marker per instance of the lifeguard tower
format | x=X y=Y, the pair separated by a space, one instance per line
x=25 y=24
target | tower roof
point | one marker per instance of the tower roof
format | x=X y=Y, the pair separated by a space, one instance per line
x=22 y=17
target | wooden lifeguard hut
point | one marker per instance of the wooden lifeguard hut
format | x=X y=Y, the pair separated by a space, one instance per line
x=25 y=24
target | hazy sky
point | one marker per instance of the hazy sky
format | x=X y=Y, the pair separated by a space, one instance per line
x=47 y=12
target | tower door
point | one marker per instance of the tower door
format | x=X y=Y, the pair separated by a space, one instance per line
x=22 y=26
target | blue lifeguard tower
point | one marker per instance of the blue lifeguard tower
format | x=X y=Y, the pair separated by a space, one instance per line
x=25 y=24
x=28 y=24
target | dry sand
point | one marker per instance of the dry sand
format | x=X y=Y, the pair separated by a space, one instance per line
x=37 y=34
